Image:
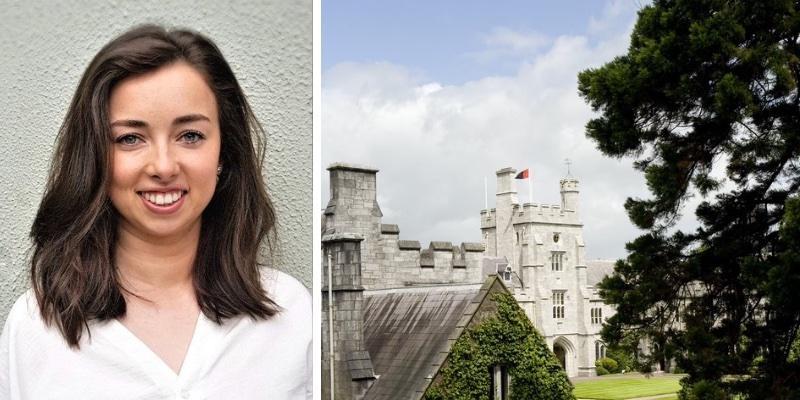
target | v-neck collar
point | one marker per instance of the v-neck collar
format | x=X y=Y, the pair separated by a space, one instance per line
x=151 y=363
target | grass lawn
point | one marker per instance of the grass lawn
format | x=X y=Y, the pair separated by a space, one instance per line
x=619 y=387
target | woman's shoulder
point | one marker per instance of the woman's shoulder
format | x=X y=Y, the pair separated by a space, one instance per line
x=24 y=322
x=285 y=290
x=24 y=312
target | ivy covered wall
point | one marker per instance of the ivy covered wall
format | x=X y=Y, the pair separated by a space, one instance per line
x=505 y=338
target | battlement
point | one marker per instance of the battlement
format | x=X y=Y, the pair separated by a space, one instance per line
x=532 y=213
x=395 y=262
x=569 y=184
x=544 y=213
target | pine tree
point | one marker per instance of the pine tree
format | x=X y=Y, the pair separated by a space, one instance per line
x=709 y=85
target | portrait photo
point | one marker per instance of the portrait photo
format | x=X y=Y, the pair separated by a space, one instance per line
x=156 y=177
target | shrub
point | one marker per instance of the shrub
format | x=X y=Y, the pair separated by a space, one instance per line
x=702 y=390
x=623 y=358
x=507 y=338
x=608 y=364
x=601 y=371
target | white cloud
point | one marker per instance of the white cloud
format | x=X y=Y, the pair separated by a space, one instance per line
x=515 y=40
x=503 y=43
x=434 y=144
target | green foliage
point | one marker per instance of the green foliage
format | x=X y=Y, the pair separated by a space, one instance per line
x=709 y=85
x=600 y=370
x=608 y=364
x=702 y=390
x=624 y=359
x=507 y=339
x=794 y=353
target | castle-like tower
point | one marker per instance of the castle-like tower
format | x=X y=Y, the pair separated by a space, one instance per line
x=537 y=248
x=546 y=256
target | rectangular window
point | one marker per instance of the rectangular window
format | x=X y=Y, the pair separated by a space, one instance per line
x=558 y=304
x=597 y=316
x=499 y=387
x=557 y=260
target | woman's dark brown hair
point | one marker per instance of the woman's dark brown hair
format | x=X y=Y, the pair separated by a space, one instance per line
x=74 y=234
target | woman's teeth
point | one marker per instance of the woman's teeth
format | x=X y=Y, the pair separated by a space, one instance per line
x=162 y=199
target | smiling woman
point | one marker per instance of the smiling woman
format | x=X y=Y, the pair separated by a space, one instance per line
x=164 y=125
x=145 y=281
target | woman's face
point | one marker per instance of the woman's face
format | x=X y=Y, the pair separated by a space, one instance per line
x=166 y=144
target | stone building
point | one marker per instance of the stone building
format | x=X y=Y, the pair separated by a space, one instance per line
x=550 y=276
x=536 y=249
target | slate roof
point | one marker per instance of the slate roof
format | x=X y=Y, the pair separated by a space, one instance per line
x=406 y=332
x=596 y=270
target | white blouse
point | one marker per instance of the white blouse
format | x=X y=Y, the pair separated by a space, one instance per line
x=241 y=359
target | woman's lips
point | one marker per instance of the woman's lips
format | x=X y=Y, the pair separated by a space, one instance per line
x=163 y=202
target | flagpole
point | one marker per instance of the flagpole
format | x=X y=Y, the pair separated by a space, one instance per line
x=530 y=188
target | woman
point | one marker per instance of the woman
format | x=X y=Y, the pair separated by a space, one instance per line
x=145 y=283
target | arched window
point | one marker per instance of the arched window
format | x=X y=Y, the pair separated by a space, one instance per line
x=599 y=350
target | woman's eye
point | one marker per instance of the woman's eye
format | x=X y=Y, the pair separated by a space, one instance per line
x=128 y=140
x=192 y=137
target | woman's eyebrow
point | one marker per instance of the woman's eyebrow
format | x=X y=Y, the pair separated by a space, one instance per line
x=183 y=119
x=131 y=123
x=190 y=118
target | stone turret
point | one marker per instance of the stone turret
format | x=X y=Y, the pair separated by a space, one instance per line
x=505 y=203
x=352 y=366
x=353 y=209
x=569 y=194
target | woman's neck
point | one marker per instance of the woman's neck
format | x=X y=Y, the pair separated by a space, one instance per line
x=153 y=264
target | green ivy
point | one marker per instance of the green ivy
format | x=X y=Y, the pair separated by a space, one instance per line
x=507 y=338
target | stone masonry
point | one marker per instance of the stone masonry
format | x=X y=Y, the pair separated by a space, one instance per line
x=537 y=248
x=387 y=261
x=352 y=365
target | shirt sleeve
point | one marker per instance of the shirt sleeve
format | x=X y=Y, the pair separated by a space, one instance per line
x=310 y=372
x=9 y=386
x=5 y=387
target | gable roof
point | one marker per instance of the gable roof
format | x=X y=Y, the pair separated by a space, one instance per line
x=596 y=270
x=408 y=333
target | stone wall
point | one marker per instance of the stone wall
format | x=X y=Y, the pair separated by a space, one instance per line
x=353 y=372
x=522 y=237
x=387 y=260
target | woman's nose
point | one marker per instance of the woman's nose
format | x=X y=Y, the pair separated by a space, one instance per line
x=163 y=163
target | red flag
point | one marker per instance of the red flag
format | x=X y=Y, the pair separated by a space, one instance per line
x=522 y=175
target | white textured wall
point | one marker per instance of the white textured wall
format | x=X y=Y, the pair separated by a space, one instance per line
x=44 y=49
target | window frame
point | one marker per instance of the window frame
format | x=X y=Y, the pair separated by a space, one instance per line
x=498 y=372
x=558 y=303
x=557 y=260
x=596 y=315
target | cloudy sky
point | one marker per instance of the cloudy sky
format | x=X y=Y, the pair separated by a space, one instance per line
x=440 y=95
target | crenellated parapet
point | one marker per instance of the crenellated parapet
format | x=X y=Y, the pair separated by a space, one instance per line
x=544 y=214
x=408 y=263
